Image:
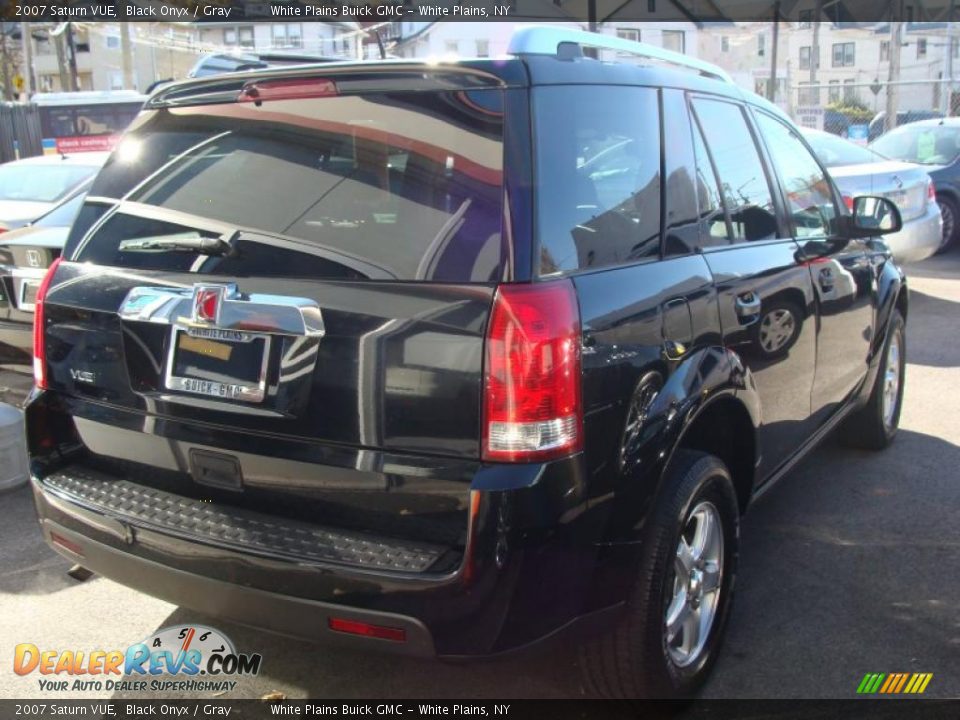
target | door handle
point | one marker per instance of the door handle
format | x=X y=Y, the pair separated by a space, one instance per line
x=825 y=277
x=747 y=306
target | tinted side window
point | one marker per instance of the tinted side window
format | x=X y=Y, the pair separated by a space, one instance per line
x=681 y=224
x=807 y=190
x=743 y=181
x=713 y=221
x=598 y=176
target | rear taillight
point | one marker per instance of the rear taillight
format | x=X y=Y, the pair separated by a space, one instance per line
x=532 y=409
x=931 y=191
x=848 y=201
x=39 y=341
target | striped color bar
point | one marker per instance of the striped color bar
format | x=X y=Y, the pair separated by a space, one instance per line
x=894 y=683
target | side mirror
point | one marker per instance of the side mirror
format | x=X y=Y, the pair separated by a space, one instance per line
x=873 y=216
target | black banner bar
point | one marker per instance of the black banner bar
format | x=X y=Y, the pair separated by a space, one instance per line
x=479 y=709
x=703 y=12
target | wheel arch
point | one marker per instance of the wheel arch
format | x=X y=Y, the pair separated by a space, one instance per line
x=726 y=429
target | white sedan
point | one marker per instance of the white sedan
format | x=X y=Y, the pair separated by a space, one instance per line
x=32 y=187
x=860 y=171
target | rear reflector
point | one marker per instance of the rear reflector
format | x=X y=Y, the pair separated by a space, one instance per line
x=353 y=627
x=39 y=339
x=290 y=89
x=931 y=191
x=532 y=407
x=67 y=545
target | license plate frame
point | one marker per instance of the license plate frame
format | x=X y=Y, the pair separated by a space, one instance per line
x=243 y=390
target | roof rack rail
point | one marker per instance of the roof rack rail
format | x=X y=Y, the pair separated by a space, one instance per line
x=540 y=40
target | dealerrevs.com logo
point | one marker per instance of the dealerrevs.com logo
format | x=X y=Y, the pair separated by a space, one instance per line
x=185 y=659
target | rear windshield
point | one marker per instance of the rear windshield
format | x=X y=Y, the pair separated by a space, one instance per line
x=400 y=186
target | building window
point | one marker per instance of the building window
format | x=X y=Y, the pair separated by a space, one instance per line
x=761 y=44
x=724 y=44
x=843 y=54
x=674 y=40
x=806 y=19
x=287 y=35
x=631 y=34
x=239 y=36
x=833 y=92
x=112 y=42
x=849 y=92
x=921 y=47
x=452 y=47
x=805 y=57
x=884 y=51
x=808 y=95
x=483 y=48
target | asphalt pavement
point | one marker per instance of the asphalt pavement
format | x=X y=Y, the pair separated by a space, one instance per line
x=851 y=565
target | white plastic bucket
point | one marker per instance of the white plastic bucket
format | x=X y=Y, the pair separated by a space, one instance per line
x=13 y=448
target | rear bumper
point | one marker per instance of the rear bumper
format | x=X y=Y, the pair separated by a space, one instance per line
x=919 y=239
x=283 y=614
x=524 y=574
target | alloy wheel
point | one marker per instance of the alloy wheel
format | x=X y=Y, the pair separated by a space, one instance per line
x=776 y=329
x=697 y=578
x=891 y=381
x=946 y=213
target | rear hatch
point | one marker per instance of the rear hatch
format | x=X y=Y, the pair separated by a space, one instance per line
x=293 y=266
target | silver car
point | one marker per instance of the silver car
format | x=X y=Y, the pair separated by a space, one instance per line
x=860 y=171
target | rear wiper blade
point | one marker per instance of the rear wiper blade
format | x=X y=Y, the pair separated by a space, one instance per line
x=182 y=242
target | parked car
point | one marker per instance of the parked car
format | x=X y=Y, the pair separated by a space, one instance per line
x=860 y=171
x=934 y=144
x=445 y=359
x=904 y=117
x=33 y=186
x=25 y=255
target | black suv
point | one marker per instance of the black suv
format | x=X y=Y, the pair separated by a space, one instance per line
x=449 y=358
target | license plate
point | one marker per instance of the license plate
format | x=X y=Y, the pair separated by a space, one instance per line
x=217 y=363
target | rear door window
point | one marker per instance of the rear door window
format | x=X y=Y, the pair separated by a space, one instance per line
x=400 y=186
x=743 y=181
x=598 y=176
x=807 y=191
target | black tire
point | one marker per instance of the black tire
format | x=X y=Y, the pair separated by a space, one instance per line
x=633 y=660
x=871 y=428
x=767 y=314
x=950 y=213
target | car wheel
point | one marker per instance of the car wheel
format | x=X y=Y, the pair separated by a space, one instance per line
x=777 y=329
x=671 y=633
x=875 y=426
x=950 y=215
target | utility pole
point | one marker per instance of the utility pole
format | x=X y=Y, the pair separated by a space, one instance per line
x=946 y=88
x=27 y=39
x=72 y=58
x=815 y=51
x=896 y=34
x=126 y=49
x=772 y=86
x=5 y=60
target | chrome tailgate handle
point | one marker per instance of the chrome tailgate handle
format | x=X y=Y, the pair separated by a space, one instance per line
x=222 y=306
